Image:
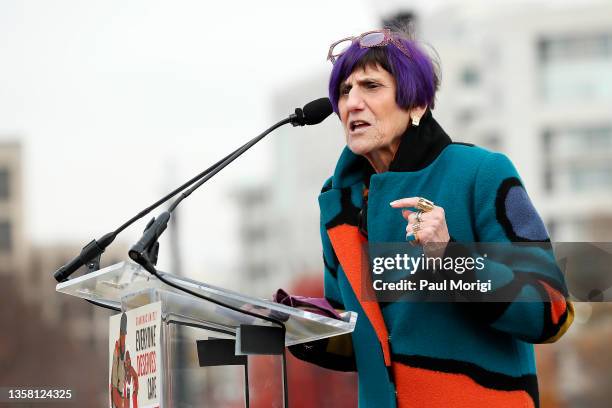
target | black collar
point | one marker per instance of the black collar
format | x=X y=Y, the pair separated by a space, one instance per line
x=420 y=145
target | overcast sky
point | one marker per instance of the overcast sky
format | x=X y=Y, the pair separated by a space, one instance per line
x=116 y=101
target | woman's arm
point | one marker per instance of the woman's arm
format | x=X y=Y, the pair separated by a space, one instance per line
x=528 y=293
x=503 y=212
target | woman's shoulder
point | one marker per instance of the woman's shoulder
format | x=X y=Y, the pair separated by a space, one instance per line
x=464 y=163
x=467 y=154
x=469 y=151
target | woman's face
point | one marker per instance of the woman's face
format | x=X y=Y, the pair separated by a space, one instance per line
x=373 y=122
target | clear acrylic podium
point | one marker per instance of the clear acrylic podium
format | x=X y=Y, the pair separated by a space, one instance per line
x=187 y=319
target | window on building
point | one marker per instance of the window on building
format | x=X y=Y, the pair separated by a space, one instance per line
x=590 y=177
x=569 y=47
x=470 y=76
x=578 y=159
x=576 y=67
x=548 y=179
x=6 y=243
x=580 y=141
x=4 y=183
x=547 y=137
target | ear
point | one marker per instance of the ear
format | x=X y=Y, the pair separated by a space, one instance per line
x=416 y=114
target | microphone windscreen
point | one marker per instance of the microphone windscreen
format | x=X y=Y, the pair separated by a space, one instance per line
x=316 y=111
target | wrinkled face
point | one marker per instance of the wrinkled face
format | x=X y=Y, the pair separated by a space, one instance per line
x=373 y=122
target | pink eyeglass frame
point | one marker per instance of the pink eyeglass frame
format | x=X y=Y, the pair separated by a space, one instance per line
x=388 y=38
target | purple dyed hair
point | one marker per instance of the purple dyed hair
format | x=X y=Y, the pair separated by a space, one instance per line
x=416 y=76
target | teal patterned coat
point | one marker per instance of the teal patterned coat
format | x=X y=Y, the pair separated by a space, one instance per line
x=425 y=354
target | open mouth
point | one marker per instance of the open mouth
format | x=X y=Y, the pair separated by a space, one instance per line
x=358 y=125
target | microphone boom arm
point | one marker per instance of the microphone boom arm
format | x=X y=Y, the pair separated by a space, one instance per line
x=312 y=113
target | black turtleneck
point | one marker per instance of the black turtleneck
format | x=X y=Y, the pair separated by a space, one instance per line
x=420 y=145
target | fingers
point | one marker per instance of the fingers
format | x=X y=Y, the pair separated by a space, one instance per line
x=416 y=233
x=420 y=216
x=422 y=225
x=407 y=214
x=413 y=227
x=405 y=202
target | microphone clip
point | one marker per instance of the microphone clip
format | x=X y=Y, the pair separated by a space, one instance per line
x=94 y=264
x=146 y=249
x=152 y=250
x=298 y=118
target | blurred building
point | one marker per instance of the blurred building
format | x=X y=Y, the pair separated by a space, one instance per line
x=255 y=266
x=84 y=321
x=62 y=336
x=31 y=266
x=534 y=82
x=13 y=252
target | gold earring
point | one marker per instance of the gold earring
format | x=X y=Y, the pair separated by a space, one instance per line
x=416 y=114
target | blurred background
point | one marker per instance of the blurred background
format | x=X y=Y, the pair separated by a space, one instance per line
x=105 y=106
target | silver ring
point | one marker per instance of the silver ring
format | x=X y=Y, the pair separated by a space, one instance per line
x=419 y=214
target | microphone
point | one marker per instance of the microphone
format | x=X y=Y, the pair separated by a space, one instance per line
x=89 y=252
x=151 y=234
x=312 y=113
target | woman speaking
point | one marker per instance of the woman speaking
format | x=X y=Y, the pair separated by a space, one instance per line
x=401 y=178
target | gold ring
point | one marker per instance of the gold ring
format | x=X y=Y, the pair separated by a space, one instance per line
x=416 y=227
x=424 y=205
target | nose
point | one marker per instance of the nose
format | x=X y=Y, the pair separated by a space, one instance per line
x=354 y=100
